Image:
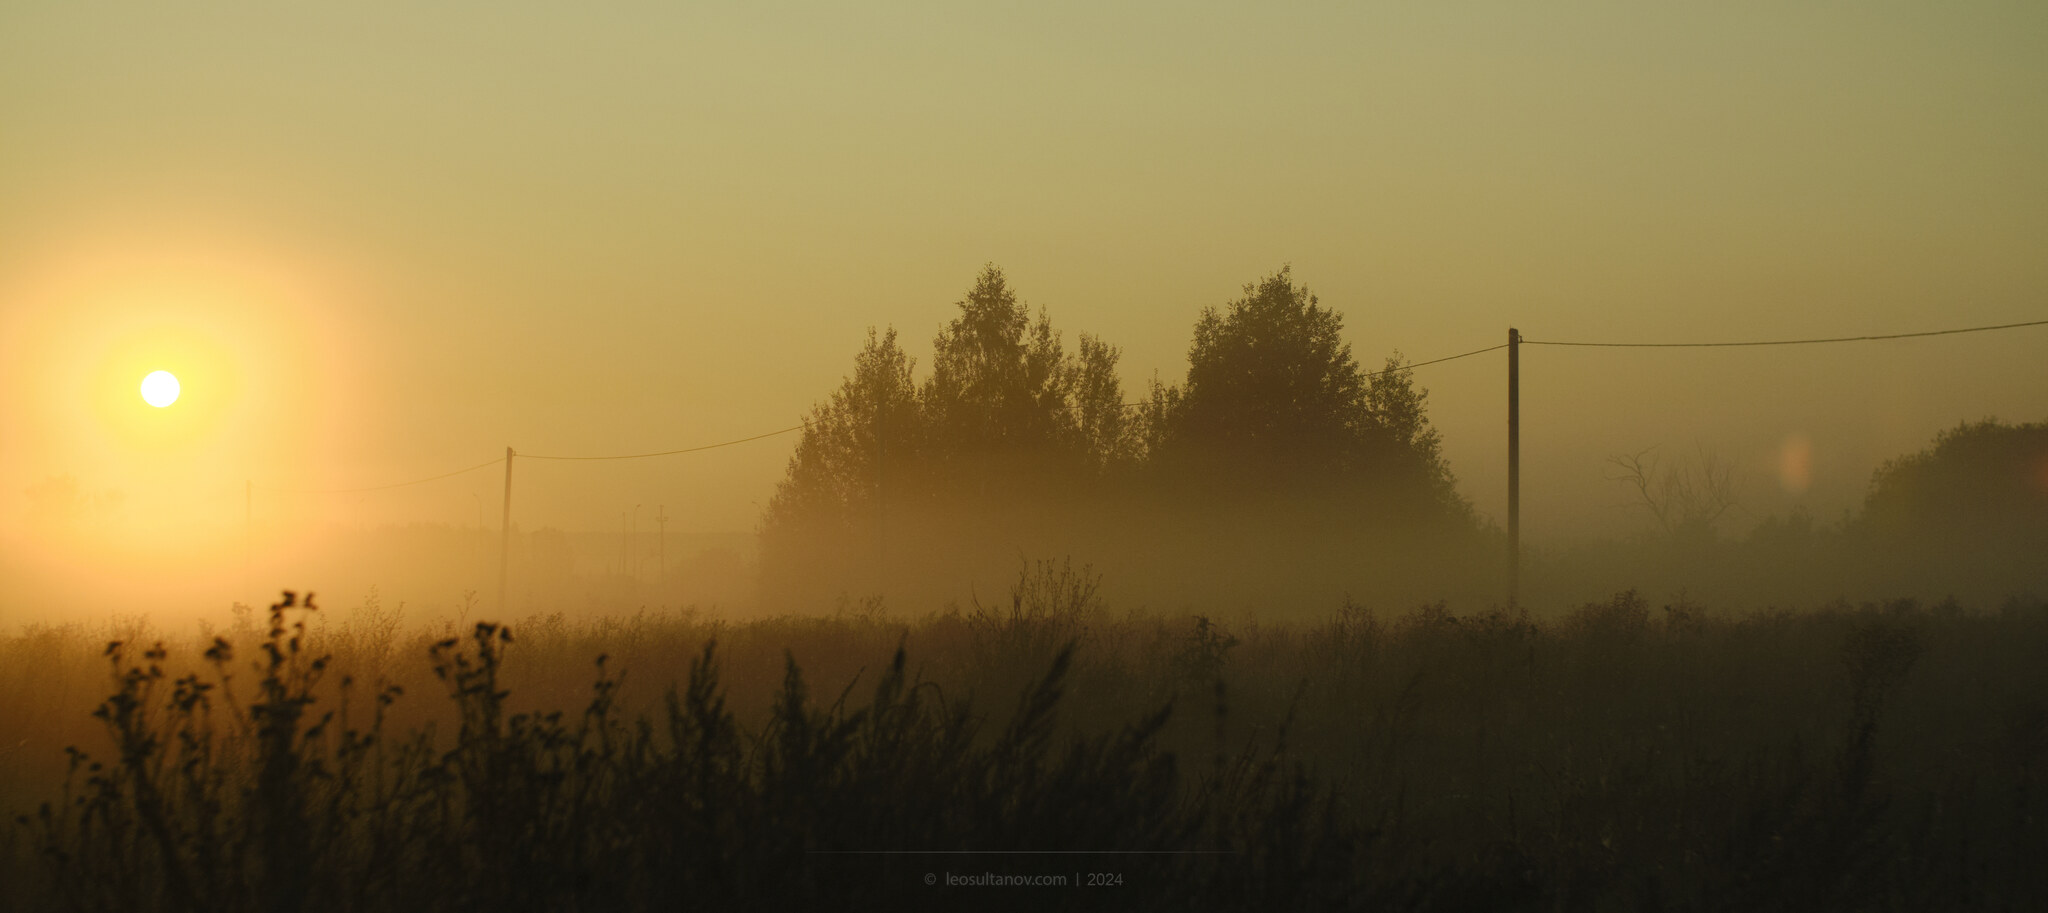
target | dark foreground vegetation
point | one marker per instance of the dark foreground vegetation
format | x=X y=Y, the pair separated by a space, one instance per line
x=1620 y=756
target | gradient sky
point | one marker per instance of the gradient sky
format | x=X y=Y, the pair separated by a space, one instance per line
x=384 y=241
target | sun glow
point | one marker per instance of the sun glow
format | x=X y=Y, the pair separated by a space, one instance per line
x=160 y=389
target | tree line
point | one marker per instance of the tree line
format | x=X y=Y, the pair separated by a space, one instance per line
x=1014 y=442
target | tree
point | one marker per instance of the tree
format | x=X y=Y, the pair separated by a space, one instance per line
x=1107 y=429
x=1686 y=499
x=1009 y=435
x=996 y=380
x=1270 y=383
x=1980 y=481
x=1399 y=410
x=1275 y=399
x=1967 y=517
x=1006 y=404
x=1015 y=444
x=867 y=438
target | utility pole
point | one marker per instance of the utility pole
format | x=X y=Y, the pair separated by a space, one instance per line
x=1514 y=466
x=628 y=568
x=661 y=543
x=505 y=533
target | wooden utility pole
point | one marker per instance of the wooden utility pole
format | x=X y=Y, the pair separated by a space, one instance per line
x=1514 y=466
x=661 y=543
x=505 y=534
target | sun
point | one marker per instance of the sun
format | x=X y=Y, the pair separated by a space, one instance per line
x=160 y=389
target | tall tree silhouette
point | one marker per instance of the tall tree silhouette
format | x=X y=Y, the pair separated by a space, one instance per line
x=1979 y=481
x=867 y=440
x=1271 y=380
x=1010 y=434
x=1968 y=515
x=1107 y=431
x=1411 y=450
x=996 y=380
x=1275 y=399
x=1008 y=409
x=1014 y=444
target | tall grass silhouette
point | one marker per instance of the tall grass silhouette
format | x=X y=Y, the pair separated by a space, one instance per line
x=1620 y=757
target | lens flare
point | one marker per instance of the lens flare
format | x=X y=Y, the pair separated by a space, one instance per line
x=1795 y=463
x=160 y=389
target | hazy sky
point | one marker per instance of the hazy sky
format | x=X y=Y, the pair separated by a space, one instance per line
x=382 y=241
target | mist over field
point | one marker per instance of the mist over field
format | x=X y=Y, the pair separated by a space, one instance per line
x=1281 y=477
x=1132 y=456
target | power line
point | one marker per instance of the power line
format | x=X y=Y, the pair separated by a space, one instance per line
x=528 y=456
x=345 y=491
x=797 y=427
x=1393 y=370
x=1406 y=367
x=641 y=456
x=1778 y=342
x=1436 y=361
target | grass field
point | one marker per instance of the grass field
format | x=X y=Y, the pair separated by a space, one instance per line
x=1617 y=756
